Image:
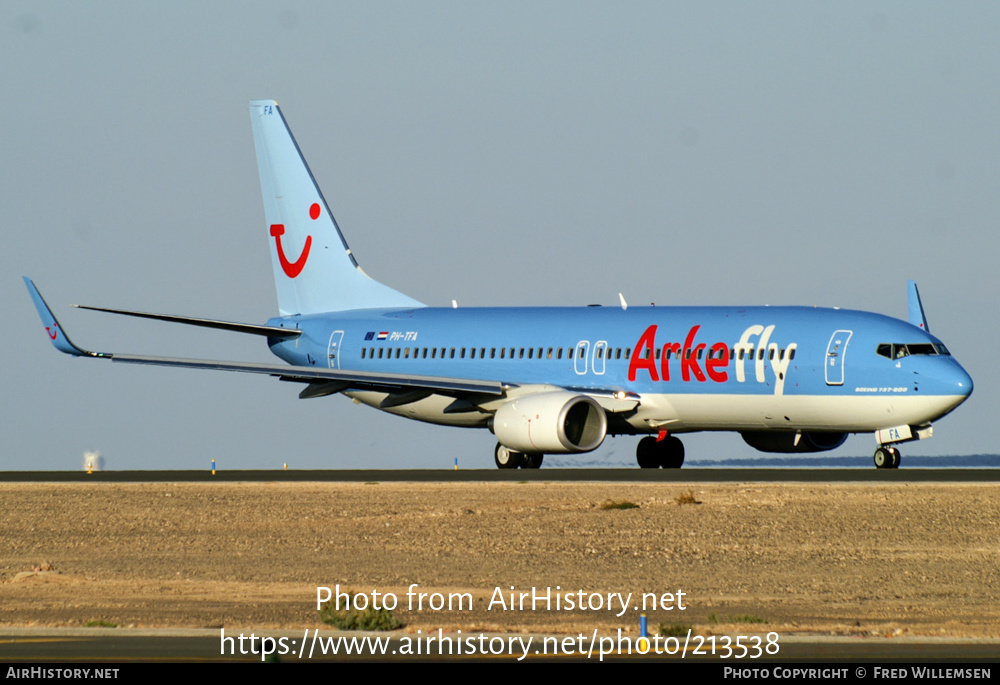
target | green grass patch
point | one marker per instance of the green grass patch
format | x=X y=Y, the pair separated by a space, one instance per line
x=354 y=619
x=100 y=624
x=687 y=498
x=621 y=504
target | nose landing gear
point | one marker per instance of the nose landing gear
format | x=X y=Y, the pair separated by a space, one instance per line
x=887 y=457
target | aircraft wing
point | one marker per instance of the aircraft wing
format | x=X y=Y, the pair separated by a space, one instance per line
x=308 y=374
x=57 y=335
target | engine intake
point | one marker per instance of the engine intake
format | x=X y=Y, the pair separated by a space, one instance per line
x=551 y=423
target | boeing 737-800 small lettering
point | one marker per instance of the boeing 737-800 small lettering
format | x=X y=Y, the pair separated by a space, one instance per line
x=559 y=380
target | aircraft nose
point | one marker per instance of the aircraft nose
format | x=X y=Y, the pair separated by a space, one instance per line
x=962 y=381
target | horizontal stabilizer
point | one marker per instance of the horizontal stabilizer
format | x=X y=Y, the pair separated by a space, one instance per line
x=252 y=329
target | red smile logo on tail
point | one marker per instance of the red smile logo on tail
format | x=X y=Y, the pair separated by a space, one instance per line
x=293 y=269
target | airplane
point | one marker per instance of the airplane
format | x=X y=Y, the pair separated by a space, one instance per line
x=559 y=380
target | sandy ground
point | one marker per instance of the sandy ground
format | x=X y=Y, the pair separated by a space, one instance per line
x=917 y=559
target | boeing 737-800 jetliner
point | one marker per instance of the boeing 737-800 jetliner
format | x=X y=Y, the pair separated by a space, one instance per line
x=560 y=380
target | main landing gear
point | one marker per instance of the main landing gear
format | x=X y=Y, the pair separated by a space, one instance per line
x=667 y=453
x=507 y=458
x=887 y=457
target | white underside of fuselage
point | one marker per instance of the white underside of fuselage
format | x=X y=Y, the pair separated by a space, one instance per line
x=849 y=414
x=690 y=413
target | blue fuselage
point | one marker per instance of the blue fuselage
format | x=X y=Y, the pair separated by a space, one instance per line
x=773 y=367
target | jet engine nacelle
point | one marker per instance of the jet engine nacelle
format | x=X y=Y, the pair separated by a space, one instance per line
x=551 y=423
x=768 y=441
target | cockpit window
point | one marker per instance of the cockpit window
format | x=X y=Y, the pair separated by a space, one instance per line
x=899 y=350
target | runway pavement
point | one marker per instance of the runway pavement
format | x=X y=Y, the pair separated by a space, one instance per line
x=686 y=475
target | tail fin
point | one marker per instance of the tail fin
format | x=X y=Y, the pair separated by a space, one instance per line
x=314 y=270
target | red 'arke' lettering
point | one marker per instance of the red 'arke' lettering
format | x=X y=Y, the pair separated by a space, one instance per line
x=689 y=360
x=689 y=354
x=642 y=357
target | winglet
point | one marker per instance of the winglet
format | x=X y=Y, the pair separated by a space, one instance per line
x=917 y=317
x=57 y=335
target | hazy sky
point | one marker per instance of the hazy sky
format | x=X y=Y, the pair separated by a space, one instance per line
x=495 y=153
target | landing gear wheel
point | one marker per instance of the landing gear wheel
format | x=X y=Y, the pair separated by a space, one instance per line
x=896 y=457
x=667 y=453
x=532 y=461
x=646 y=453
x=507 y=458
x=883 y=458
x=671 y=452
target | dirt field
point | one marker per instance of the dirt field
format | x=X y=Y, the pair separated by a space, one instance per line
x=918 y=559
